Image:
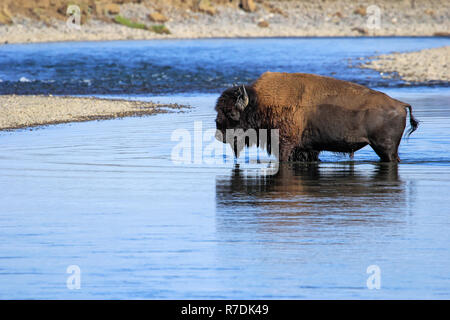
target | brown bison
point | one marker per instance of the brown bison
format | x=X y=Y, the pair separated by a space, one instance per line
x=315 y=113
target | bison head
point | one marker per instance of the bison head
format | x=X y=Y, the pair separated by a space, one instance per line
x=230 y=106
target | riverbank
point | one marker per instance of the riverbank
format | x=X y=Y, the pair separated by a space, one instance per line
x=175 y=19
x=29 y=111
x=427 y=65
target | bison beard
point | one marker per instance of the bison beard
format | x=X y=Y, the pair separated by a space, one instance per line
x=315 y=113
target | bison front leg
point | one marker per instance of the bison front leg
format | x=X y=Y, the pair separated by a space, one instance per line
x=290 y=153
x=304 y=156
x=285 y=152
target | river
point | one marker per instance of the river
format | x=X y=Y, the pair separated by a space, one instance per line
x=107 y=197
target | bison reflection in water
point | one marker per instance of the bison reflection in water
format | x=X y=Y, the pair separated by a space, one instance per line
x=314 y=114
x=312 y=190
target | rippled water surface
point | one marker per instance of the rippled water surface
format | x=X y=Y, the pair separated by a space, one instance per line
x=179 y=66
x=107 y=197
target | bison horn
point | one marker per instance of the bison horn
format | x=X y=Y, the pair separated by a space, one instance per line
x=244 y=92
x=242 y=100
x=245 y=95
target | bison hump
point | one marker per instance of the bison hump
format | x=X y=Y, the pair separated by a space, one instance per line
x=299 y=90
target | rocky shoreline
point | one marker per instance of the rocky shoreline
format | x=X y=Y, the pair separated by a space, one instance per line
x=29 y=111
x=173 y=20
x=428 y=65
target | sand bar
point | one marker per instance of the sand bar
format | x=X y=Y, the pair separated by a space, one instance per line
x=421 y=66
x=28 y=111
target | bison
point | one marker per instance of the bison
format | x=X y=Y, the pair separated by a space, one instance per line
x=315 y=113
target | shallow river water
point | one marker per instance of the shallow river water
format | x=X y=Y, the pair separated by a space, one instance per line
x=107 y=197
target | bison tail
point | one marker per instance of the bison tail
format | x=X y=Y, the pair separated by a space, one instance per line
x=412 y=121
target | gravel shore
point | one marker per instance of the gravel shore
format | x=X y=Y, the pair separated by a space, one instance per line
x=28 y=111
x=268 y=19
x=422 y=66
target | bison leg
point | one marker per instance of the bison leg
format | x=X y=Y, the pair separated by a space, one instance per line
x=386 y=135
x=304 y=156
x=290 y=153
x=386 y=149
x=285 y=152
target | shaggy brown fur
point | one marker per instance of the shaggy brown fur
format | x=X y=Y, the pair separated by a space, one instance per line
x=315 y=113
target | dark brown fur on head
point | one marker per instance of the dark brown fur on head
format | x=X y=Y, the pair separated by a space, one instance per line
x=230 y=114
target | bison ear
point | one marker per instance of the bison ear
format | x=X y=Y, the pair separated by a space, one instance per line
x=242 y=99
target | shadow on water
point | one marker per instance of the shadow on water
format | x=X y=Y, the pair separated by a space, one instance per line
x=321 y=194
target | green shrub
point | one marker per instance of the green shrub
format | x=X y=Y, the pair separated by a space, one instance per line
x=160 y=28
x=127 y=22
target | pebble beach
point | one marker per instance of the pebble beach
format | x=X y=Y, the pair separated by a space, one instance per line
x=29 y=111
x=421 y=66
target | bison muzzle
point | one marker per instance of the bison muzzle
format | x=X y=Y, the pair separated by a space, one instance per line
x=315 y=113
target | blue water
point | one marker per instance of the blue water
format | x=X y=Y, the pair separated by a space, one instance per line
x=180 y=66
x=107 y=197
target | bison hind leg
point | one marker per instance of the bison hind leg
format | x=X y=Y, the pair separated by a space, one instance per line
x=304 y=156
x=387 y=155
x=385 y=139
x=387 y=150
